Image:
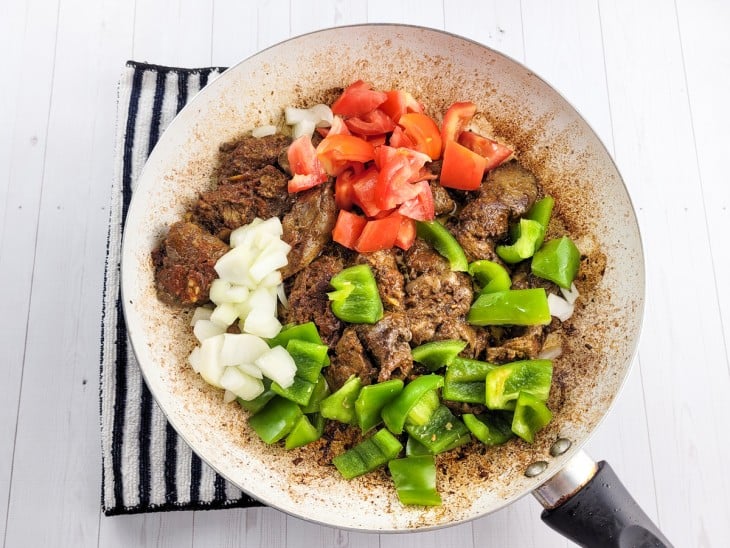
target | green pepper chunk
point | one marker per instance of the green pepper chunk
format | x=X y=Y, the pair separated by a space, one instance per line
x=442 y=433
x=415 y=480
x=305 y=432
x=340 y=405
x=505 y=382
x=531 y=234
x=492 y=428
x=465 y=380
x=436 y=354
x=442 y=241
x=372 y=399
x=511 y=307
x=276 y=419
x=309 y=359
x=558 y=261
x=490 y=276
x=398 y=411
x=356 y=298
x=321 y=391
x=531 y=415
x=368 y=455
x=415 y=447
x=259 y=402
x=541 y=211
x=304 y=332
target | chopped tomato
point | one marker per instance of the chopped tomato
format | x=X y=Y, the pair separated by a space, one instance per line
x=376 y=140
x=406 y=234
x=455 y=120
x=375 y=122
x=461 y=168
x=398 y=103
x=421 y=207
x=358 y=99
x=335 y=151
x=305 y=165
x=348 y=228
x=423 y=132
x=343 y=189
x=363 y=191
x=379 y=234
x=399 y=168
x=399 y=139
x=495 y=153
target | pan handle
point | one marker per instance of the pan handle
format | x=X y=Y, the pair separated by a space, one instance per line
x=587 y=503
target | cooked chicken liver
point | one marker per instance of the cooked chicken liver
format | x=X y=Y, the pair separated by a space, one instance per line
x=387 y=342
x=389 y=279
x=349 y=359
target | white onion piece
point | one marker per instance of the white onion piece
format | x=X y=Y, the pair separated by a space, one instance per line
x=281 y=293
x=550 y=353
x=234 y=266
x=570 y=294
x=210 y=367
x=559 y=307
x=251 y=369
x=262 y=323
x=224 y=314
x=204 y=329
x=305 y=127
x=264 y=300
x=277 y=365
x=194 y=359
x=263 y=131
x=242 y=385
x=201 y=313
x=272 y=279
x=271 y=226
x=265 y=264
x=222 y=291
x=241 y=348
x=322 y=115
x=228 y=396
x=239 y=236
x=293 y=115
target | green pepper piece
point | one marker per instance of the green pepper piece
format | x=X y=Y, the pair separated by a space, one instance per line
x=490 y=276
x=558 y=261
x=492 y=428
x=356 y=298
x=305 y=432
x=309 y=359
x=415 y=447
x=541 y=211
x=505 y=382
x=259 y=402
x=442 y=241
x=398 y=410
x=442 y=433
x=340 y=405
x=530 y=233
x=303 y=332
x=368 y=455
x=465 y=380
x=415 y=480
x=511 y=307
x=531 y=415
x=436 y=354
x=321 y=391
x=372 y=399
x=275 y=420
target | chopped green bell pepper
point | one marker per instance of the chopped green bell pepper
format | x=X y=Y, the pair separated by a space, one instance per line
x=415 y=447
x=412 y=403
x=340 y=405
x=541 y=211
x=492 y=428
x=372 y=399
x=465 y=380
x=511 y=307
x=490 y=276
x=309 y=359
x=356 y=298
x=368 y=455
x=259 y=402
x=531 y=415
x=436 y=354
x=321 y=391
x=415 y=480
x=558 y=261
x=505 y=382
x=276 y=419
x=442 y=433
x=305 y=432
x=304 y=332
x=531 y=234
x=442 y=241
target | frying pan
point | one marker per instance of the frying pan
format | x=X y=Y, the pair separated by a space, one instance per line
x=583 y=499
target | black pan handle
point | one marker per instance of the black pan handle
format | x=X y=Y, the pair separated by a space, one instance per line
x=597 y=510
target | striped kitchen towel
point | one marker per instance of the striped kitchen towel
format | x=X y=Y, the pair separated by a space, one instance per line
x=146 y=466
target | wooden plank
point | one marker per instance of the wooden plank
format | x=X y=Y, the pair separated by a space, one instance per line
x=492 y=23
x=236 y=527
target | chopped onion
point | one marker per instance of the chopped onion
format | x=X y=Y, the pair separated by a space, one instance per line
x=559 y=307
x=272 y=279
x=194 y=359
x=305 y=127
x=319 y=116
x=262 y=323
x=550 y=353
x=242 y=385
x=241 y=348
x=201 y=313
x=239 y=236
x=222 y=291
x=224 y=314
x=251 y=369
x=210 y=366
x=282 y=296
x=322 y=115
x=263 y=131
x=228 y=396
x=277 y=365
x=204 y=329
x=570 y=294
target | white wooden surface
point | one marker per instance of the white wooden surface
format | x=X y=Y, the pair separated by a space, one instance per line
x=653 y=78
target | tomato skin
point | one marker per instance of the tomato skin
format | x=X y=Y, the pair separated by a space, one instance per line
x=398 y=103
x=305 y=165
x=461 y=168
x=375 y=122
x=420 y=208
x=363 y=191
x=379 y=234
x=348 y=228
x=406 y=234
x=495 y=153
x=423 y=132
x=399 y=167
x=399 y=139
x=335 y=151
x=358 y=99
x=456 y=118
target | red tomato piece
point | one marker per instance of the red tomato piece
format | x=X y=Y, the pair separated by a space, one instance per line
x=358 y=99
x=305 y=165
x=379 y=234
x=348 y=228
x=398 y=103
x=375 y=122
x=495 y=153
x=461 y=168
x=335 y=151
x=363 y=191
x=406 y=234
x=343 y=189
x=399 y=139
x=455 y=120
x=399 y=168
x=423 y=132
x=421 y=207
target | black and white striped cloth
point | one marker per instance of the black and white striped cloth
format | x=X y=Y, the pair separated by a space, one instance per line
x=146 y=466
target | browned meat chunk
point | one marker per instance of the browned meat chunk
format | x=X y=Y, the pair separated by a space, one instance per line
x=442 y=202
x=461 y=408
x=457 y=328
x=308 y=226
x=523 y=347
x=389 y=278
x=349 y=359
x=387 y=342
x=184 y=264
x=235 y=204
x=422 y=258
x=308 y=298
x=241 y=159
